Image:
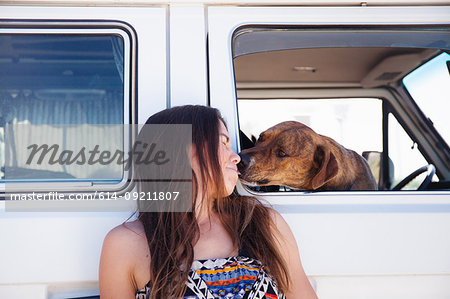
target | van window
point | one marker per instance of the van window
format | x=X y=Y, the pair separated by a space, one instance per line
x=347 y=83
x=66 y=90
x=429 y=85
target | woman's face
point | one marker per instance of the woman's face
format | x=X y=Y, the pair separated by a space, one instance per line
x=228 y=159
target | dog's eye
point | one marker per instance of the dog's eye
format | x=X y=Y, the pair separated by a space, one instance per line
x=260 y=139
x=281 y=154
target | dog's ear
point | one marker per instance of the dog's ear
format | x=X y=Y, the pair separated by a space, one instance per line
x=327 y=165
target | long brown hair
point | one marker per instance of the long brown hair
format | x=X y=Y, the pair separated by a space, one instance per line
x=172 y=235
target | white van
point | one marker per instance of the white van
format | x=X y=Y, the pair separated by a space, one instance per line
x=374 y=75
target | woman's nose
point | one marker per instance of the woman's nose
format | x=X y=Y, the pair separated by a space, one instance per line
x=235 y=157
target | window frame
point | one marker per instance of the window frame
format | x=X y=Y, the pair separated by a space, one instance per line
x=129 y=118
x=390 y=104
x=402 y=105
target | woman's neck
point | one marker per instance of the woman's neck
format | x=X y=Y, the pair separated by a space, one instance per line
x=203 y=211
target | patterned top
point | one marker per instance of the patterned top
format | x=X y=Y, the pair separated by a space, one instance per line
x=233 y=277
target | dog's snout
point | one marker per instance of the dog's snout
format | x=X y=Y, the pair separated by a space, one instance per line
x=245 y=160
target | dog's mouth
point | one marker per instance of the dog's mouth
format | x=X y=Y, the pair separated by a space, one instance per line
x=263 y=182
x=253 y=183
x=245 y=182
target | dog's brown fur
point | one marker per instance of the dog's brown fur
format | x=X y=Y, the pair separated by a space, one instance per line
x=292 y=154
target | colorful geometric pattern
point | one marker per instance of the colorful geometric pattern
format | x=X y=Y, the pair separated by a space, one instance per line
x=234 y=277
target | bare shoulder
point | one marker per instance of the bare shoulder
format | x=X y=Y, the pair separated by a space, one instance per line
x=282 y=227
x=276 y=216
x=126 y=236
x=124 y=249
x=133 y=229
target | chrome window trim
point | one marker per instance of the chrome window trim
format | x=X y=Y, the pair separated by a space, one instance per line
x=86 y=27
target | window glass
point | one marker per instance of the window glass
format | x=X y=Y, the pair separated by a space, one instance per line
x=69 y=87
x=405 y=155
x=429 y=85
x=354 y=123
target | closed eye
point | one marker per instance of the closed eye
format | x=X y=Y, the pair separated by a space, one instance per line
x=225 y=139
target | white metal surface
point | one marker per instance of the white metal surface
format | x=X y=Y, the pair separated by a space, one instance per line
x=47 y=255
x=368 y=233
x=226 y=2
x=187 y=55
x=395 y=245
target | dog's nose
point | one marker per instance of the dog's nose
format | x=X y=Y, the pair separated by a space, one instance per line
x=245 y=160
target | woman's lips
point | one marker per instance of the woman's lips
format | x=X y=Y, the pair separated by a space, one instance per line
x=234 y=169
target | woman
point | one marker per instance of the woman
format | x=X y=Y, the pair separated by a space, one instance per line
x=229 y=246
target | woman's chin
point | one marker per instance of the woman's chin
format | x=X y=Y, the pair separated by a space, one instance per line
x=230 y=189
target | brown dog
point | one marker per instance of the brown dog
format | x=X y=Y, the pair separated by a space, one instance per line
x=292 y=154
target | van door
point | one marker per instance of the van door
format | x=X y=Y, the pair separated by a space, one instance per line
x=353 y=244
x=65 y=69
